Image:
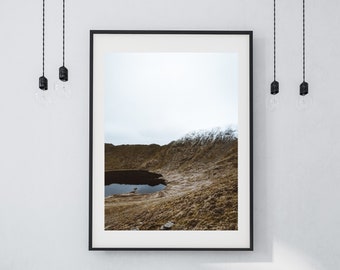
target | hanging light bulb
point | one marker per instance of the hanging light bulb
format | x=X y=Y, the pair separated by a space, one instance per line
x=304 y=102
x=273 y=101
x=304 y=99
x=61 y=86
x=43 y=96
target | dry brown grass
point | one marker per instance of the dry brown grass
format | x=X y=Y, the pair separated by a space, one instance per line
x=201 y=192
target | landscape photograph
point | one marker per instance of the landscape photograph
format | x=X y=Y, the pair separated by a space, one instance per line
x=171 y=141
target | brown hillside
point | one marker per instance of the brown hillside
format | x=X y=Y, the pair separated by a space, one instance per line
x=201 y=192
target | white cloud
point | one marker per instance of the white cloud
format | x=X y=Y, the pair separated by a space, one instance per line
x=159 y=97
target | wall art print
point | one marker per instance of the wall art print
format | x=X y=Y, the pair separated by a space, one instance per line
x=170 y=140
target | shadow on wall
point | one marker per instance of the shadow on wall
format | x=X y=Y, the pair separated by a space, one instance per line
x=284 y=257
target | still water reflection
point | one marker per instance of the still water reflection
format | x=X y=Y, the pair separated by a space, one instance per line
x=124 y=188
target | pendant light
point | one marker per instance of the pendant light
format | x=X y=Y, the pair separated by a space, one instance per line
x=304 y=84
x=42 y=96
x=61 y=85
x=274 y=87
x=43 y=82
x=63 y=72
x=273 y=101
x=304 y=100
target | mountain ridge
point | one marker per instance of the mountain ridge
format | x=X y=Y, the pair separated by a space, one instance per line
x=192 y=146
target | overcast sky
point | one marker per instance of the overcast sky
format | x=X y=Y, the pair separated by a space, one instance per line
x=160 y=97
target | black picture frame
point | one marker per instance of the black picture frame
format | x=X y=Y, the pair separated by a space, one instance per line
x=246 y=41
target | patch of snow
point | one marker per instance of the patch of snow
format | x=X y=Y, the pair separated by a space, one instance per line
x=207 y=136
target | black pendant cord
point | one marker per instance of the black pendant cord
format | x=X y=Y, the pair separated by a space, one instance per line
x=274 y=40
x=304 y=40
x=274 y=87
x=63 y=32
x=304 y=84
x=43 y=47
x=63 y=72
x=43 y=83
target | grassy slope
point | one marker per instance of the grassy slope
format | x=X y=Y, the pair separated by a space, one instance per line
x=201 y=191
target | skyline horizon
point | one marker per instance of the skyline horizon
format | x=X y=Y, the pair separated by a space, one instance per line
x=203 y=132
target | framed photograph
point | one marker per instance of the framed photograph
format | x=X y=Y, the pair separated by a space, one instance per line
x=170 y=140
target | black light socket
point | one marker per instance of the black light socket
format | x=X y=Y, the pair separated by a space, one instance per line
x=274 y=88
x=63 y=74
x=303 y=89
x=43 y=83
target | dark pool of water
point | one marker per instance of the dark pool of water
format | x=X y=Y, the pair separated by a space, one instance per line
x=136 y=181
x=139 y=189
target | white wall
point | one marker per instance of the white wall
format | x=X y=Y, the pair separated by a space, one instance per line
x=44 y=150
